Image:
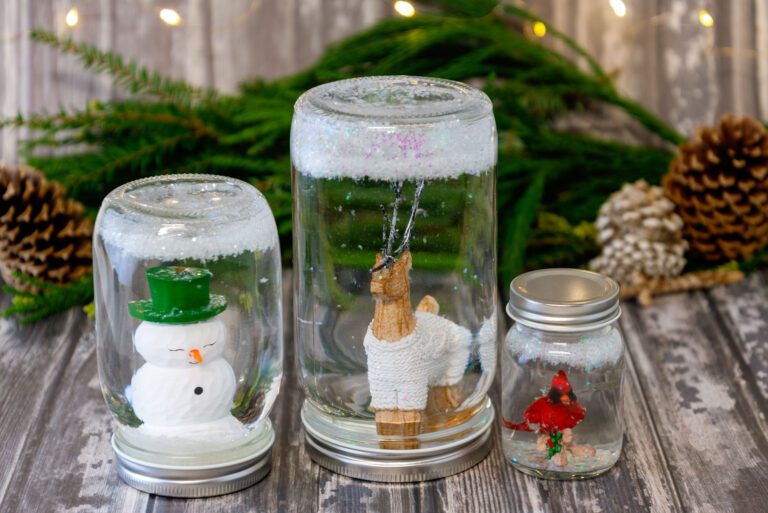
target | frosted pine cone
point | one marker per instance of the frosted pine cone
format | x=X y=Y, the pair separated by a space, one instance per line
x=641 y=235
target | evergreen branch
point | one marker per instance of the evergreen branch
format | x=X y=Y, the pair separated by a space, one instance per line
x=130 y=158
x=648 y=120
x=594 y=66
x=105 y=120
x=135 y=78
x=516 y=230
x=51 y=299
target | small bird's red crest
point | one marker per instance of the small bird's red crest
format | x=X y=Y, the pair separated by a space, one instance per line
x=560 y=382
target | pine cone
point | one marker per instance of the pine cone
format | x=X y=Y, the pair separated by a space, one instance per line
x=641 y=235
x=719 y=182
x=42 y=233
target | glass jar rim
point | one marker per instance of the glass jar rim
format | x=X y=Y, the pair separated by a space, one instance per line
x=236 y=207
x=396 y=100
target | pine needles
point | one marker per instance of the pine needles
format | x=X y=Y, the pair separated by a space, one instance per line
x=50 y=299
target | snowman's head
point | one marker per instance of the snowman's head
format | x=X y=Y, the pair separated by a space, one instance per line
x=181 y=345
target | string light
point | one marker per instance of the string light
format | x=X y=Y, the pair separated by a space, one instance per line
x=170 y=16
x=72 y=17
x=405 y=9
x=539 y=29
x=619 y=8
x=705 y=18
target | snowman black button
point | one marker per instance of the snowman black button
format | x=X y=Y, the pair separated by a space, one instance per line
x=198 y=390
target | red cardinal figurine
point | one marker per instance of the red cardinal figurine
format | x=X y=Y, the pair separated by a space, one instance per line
x=553 y=413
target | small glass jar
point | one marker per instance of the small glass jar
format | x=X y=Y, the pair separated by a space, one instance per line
x=562 y=374
x=395 y=274
x=189 y=331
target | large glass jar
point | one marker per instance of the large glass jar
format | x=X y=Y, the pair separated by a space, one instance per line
x=395 y=274
x=189 y=330
x=562 y=374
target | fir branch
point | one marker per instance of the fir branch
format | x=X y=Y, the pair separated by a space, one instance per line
x=516 y=229
x=131 y=158
x=52 y=299
x=131 y=76
x=594 y=66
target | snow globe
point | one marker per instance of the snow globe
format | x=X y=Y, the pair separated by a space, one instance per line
x=395 y=274
x=189 y=331
x=562 y=374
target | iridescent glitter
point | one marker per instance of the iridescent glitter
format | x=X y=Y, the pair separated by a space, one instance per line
x=393 y=129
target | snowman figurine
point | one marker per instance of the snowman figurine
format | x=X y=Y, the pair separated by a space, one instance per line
x=185 y=389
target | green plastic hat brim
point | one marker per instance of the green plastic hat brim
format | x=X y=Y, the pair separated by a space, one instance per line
x=145 y=311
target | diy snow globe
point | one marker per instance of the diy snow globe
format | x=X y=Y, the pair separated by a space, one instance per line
x=395 y=274
x=561 y=373
x=189 y=331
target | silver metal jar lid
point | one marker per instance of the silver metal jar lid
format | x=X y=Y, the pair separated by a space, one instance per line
x=563 y=300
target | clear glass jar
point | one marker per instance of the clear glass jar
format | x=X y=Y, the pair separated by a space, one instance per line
x=395 y=270
x=189 y=330
x=562 y=375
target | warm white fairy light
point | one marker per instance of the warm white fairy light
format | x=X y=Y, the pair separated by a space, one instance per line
x=619 y=8
x=404 y=8
x=539 y=29
x=170 y=16
x=705 y=18
x=72 y=17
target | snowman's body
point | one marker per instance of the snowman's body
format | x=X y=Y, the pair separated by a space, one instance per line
x=185 y=386
x=172 y=397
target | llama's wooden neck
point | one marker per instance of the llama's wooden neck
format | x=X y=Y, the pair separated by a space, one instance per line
x=393 y=319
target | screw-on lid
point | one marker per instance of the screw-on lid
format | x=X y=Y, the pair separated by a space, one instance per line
x=563 y=300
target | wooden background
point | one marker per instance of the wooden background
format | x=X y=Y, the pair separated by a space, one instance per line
x=660 y=53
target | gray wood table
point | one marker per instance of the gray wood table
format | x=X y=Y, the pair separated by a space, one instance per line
x=695 y=410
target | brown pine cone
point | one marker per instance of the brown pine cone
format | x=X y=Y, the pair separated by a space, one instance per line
x=719 y=182
x=43 y=234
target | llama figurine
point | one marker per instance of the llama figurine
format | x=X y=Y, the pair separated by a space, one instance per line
x=413 y=358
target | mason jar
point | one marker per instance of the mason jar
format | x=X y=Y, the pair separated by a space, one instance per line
x=189 y=331
x=562 y=374
x=395 y=274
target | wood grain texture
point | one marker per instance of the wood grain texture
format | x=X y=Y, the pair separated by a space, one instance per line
x=702 y=404
x=695 y=413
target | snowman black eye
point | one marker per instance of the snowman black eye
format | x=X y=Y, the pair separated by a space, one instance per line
x=212 y=343
x=198 y=390
x=172 y=350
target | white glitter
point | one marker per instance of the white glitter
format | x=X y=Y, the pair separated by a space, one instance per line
x=175 y=220
x=393 y=129
x=584 y=351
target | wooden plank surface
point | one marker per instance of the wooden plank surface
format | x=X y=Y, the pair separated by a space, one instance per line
x=695 y=412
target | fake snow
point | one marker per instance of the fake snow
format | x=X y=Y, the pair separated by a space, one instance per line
x=187 y=217
x=588 y=352
x=393 y=129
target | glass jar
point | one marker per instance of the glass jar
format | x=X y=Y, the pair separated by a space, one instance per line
x=189 y=331
x=395 y=274
x=562 y=374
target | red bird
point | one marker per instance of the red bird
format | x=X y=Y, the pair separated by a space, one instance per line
x=554 y=412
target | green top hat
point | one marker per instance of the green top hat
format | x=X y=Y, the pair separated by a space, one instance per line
x=179 y=295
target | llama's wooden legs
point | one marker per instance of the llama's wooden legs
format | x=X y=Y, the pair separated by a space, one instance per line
x=400 y=423
x=444 y=399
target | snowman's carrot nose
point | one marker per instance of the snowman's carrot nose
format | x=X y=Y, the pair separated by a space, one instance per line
x=195 y=354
